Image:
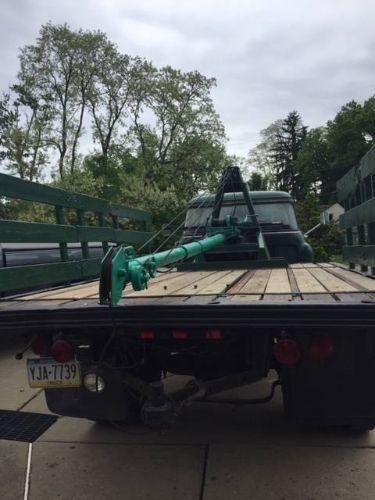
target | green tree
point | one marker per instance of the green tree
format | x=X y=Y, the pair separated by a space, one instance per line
x=288 y=142
x=326 y=240
x=257 y=182
x=115 y=90
x=313 y=165
x=368 y=119
x=349 y=136
x=308 y=211
x=24 y=138
x=261 y=156
x=58 y=71
x=7 y=120
x=183 y=144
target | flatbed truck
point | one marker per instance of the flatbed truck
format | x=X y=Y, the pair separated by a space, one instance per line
x=225 y=320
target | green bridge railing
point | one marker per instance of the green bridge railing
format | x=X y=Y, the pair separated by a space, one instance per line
x=24 y=277
x=356 y=191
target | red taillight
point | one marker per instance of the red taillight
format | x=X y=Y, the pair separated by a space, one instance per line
x=179 y=334
x=62 y=351
x=146 y=334
x=287 y=352
x=214 y=334
x=39 y=346
x=321 y=348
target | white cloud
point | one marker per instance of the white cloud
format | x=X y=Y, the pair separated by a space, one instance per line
x=268 y=57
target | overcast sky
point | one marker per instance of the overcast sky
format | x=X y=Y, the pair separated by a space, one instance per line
x=269 y=57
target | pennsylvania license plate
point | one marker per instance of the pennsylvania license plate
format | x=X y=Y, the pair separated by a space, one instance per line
x=47 y=373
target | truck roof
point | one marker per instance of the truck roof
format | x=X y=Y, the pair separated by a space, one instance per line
x=256 y=197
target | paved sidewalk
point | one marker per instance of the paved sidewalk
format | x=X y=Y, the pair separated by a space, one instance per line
x=214 y=452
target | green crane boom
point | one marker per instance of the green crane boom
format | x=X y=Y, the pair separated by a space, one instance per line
x=120 y=266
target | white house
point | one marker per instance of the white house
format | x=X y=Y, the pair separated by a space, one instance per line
x=332 y=213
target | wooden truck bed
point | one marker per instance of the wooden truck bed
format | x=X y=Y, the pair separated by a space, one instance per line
x=323 y=282
x=321 y=294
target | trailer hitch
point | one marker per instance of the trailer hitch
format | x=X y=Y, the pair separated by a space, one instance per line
x=161 y=410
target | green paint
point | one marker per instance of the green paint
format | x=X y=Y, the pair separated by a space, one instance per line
x=22 y=277
x=16 y=278
x=12 y=187
x=126 y=268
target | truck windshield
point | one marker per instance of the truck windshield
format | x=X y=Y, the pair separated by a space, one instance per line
x=268 y=213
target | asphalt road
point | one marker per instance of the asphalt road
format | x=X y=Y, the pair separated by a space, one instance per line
x=214 y=452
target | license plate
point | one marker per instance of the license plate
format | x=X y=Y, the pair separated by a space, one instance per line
x=47 y=373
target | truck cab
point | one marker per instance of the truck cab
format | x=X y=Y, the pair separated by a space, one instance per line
x=275 y=212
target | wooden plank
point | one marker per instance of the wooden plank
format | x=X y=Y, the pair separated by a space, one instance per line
x=293 y=285
x=202 y=299
x=162 y=278
x=31 y=305
x=306 y=282
x=198 y=286
x=62 y=290
x=354 y=297
x=222 y=284
x=255 y=285
x=174 y=281
x=91 y=290
x=239 y=284
x=330 y=282
x=177 y=281
x=354 y=279
x=360 y=283
x=218 y=283
x=75 y=293
x=310 y=287
x=278 y=283
x=325 y=264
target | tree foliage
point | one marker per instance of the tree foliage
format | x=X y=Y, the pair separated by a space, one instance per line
x=308 y=163
x=7 y=120
x=157 y=139
x=287 y=144
x=258 y=182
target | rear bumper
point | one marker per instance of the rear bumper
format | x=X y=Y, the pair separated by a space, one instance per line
x=112 y=404
x=221 y=314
